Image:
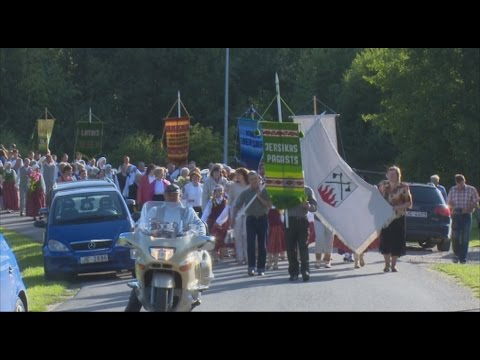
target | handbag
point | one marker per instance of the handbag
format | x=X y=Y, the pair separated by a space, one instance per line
x=229 y=237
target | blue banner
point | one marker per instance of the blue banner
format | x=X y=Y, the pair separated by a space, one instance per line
x=251 y=142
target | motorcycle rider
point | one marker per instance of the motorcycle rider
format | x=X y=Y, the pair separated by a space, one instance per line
x=172 y=195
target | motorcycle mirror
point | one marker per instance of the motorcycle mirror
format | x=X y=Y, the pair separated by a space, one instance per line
x=136 y=216
x=125 y=239
x=206 y=242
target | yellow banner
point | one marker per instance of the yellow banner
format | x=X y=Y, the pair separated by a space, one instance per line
x=45 y=128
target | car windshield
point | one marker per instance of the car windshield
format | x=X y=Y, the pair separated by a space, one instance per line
x=164 y=219
x=426 y=195
x=88 y=207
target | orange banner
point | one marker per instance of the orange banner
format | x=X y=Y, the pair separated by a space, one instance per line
x=177 y=131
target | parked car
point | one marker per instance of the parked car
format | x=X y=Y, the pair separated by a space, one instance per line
x=82 y=229
x=13 y=294
x=428 y=221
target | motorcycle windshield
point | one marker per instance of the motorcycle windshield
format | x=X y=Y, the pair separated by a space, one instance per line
x=162 y=219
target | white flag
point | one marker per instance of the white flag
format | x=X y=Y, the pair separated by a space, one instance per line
x=328 y=121
x=353 y=209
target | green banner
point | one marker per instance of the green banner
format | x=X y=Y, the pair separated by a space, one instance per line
x=45 y=128
x=283 y=164
x=89 y=138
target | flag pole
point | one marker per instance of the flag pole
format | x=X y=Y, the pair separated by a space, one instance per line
x=225 y=130
x=179 y=109
x=279 y=104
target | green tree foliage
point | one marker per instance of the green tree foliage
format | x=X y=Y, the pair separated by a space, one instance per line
x=429 y=104
x=205 y=145
x=139 y=147
x=8 y=137
x=421 y=104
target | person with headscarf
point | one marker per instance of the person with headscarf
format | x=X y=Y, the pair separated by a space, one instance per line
x=10 y=189
x=101 y=163
x=36 y=192
x=23 y=176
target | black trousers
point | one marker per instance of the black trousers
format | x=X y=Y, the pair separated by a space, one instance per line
x=296 y=237
x=134 y=305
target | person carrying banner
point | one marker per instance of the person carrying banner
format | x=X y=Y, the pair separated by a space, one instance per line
x=257 y=202
x=296 y=236
x=392 y=238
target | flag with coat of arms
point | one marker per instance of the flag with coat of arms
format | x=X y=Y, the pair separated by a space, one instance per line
x=352 y=208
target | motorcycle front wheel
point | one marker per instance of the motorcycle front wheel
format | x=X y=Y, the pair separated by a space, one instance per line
x=163 y=300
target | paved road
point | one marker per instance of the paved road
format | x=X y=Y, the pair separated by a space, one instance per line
x=342 y=288
x=21 y=224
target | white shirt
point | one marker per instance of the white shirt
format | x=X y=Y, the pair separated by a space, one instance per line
x=193 y=194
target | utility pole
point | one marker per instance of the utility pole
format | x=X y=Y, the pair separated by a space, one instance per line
x=225 y=131
x=279 y=103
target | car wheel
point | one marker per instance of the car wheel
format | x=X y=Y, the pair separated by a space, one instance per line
x=20 y=306
x=426 y=244
x=444 y=245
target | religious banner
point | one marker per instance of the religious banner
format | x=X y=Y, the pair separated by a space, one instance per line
x=350 y=207
x=177 y=133
x=45 y=128
x=249 y=131
x=89 y=138
x=283 y=164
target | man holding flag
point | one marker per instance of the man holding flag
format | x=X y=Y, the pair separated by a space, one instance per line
x=296 y=236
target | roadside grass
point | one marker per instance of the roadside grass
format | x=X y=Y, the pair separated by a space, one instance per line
x=475 y=237
x=41 y=293
x=467 y=274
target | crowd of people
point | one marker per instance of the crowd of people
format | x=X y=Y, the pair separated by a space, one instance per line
x=231 y=201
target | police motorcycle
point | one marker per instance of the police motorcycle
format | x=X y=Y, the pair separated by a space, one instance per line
x=172 y=263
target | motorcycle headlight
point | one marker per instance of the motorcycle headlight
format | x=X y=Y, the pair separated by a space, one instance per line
x=133 y=254
x=162 y=253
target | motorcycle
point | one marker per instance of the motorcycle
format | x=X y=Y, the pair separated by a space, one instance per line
x=172 y=263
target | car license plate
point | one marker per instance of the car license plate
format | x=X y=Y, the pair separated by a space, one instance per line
x=422 y=214
x=94 y=259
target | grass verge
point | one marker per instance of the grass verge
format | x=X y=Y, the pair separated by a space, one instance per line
x=474 y=236
x=468 y=274
x=41 y=293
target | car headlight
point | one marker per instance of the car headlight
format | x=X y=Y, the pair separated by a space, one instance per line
x=162 y=253
x=55 y=245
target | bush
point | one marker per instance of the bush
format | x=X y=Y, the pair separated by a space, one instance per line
x=139 y=147
x=205 y=146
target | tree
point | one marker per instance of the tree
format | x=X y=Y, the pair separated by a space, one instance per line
x=429 y=104
x=205 y=145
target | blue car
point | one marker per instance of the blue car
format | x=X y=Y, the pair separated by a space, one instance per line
x=428 y=221
x=82 y=230
x=13 y=294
